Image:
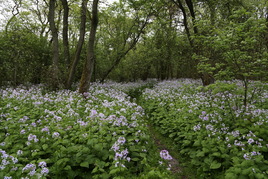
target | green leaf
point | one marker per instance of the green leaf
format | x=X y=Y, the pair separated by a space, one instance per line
x=215 y=165
x=45 y=147
x=113 y=171
x=95 y=170
x=135 y=159
x=84 y=164
x=230 y=175
x=200 y=154
x=68 y=167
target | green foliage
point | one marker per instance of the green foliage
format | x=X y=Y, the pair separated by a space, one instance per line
x=102 y=136
x=211 y=127
x=23 y=57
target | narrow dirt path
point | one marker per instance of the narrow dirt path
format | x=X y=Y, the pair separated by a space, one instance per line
x=174 y=164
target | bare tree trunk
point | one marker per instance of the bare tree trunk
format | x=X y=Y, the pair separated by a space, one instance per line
x=80 y=43
x=89 y=64
x=15 y=11
x=55 y=45
x=65 y=32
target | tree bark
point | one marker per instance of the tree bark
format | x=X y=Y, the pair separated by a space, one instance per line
x=89 y=64
x=266 y=27
x=65 y=32
x=79 y=44
x=191 y=9
x=55 y=45
x=185 y=22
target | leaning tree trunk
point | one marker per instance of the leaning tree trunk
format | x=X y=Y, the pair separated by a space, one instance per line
x=89 y=64
x=54 y=78
x=79 y=45
x=121 y=55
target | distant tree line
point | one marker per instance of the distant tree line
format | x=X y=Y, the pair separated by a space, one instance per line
x=64 y=42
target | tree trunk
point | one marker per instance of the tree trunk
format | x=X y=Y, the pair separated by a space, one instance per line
x=79 y=45
x=185 y=22
x=191 y=8
x=65 y=32
x=89 y=64
x=266 y=27
x=205 y=77
x=55 y=46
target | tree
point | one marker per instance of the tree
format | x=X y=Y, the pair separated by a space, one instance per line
x=79 y=44
x=24 y=57
x=65 y=32
x=54 y=71
x=89 y=64
x=128 y=26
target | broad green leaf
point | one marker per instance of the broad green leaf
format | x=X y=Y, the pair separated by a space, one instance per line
x=215 y=165
x=84 y=164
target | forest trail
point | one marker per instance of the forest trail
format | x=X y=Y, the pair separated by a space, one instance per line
x=162 y=143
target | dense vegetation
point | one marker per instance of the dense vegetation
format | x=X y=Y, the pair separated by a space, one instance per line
x=61 y=134
x=222 y=137
x=104 y=135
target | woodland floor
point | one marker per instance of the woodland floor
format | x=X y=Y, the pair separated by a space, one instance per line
x=162 y=143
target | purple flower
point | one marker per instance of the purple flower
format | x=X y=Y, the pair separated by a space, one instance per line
x=14 y=160
x=22 y=131
x=29 y=166
x=5 y=177
x=205 y=118
x=45 y=129
x=121 y=140
x=115 y=147
x=247 y=156
x=93 y=113
x=250 y=140
x=44 y=171
x=5 y=162
x=55 y=134
x=42 y=164
x=32 y=173
x=165 y=155
x=32 y=137
x=197 y=127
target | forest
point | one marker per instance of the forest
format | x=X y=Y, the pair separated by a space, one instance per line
x=59 y=42
x=140 y=89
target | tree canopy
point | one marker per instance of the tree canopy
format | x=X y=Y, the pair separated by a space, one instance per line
x=51 y=41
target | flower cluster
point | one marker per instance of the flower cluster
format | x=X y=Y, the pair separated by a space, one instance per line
x=165 y=155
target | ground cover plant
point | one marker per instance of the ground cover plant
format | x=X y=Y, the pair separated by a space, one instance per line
x=211 y=126
x=63 y=134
